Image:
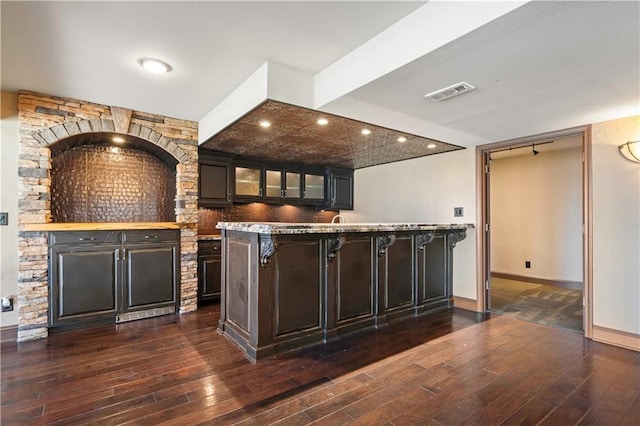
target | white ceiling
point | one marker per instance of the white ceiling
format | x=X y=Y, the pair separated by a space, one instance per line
x=544 y=66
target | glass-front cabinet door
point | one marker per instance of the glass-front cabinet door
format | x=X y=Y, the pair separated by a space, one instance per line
x=293 y=186
x=273 y=183
x=313 y=187
x=248 y=182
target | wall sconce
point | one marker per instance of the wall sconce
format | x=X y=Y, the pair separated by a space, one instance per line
x=631 y=151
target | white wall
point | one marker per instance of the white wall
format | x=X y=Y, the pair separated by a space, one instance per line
x=536 y=214
x=424 y=190
x=9 y=203
x=616 y=227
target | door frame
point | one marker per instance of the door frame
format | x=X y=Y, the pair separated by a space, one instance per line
x=482 y=246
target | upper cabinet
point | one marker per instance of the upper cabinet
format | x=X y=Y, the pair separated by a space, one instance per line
x=224 y=181
x=214 y=181
x=340 y=189
x=282 y=184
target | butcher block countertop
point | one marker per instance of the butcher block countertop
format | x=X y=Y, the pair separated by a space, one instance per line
x=102 y=226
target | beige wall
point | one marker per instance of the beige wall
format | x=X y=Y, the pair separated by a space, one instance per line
x=427 y=189
x=9 y=203
x=536 y=214
x=424 y=190
x=616 y=227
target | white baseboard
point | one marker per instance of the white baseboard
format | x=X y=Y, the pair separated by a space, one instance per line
x=616 y=338
x=466 y=304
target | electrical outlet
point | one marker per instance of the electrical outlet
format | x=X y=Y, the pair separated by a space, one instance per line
x=527 y=264
x=4 y=218
x=7 y=304
x=458 y=212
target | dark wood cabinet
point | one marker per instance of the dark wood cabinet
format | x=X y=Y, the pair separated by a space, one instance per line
x=285 y=291
x=215 y=181
x=209 y=270
x=282 y=185
x=149 y=276
x=340 y=189
x=110 y=276
x=226 y=180
x=84 y=283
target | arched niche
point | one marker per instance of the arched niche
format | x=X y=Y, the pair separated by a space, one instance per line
x=94 y=179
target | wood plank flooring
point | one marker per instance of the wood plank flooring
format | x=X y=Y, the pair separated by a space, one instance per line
x=450 y=368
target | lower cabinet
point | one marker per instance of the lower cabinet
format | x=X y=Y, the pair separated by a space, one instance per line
x=209 y=270
x=107 y=276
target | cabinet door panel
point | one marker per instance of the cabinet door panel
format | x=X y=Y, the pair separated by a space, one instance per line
x=297 y=293
x=355 y=293
x=313 y=187
x=248 y=182
x=400 y=273
x=292 y=185
x=84 y=282
x=341 y=189
x=210 y=270
x=273 y=183
x=435 y=279
x=213 y=182
x=150 y=275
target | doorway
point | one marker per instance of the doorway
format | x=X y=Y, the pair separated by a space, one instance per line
x=534 y=250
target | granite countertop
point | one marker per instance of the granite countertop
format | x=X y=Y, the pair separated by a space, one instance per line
x=329 y=228
x=102 y=226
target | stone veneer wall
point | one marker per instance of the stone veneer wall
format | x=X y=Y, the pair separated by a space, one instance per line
x=45 y=120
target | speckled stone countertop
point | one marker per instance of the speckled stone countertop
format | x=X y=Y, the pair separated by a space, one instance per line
x=275 y=228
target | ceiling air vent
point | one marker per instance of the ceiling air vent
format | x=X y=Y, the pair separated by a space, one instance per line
x=449 y=92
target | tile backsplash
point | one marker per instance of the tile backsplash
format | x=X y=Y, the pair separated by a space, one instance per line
x=259 y=212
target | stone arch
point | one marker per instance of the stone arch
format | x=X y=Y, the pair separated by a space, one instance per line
x=46 y=120
x=54 y=134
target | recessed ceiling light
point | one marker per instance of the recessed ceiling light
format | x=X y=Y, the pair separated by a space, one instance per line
x=402 y=139
x=365 y=132
x=118 y=139
x=265 y=123
x=323 y=121
x=155 y=66
x=431 y=146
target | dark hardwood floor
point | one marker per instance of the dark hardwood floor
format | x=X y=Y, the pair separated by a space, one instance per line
x=451 y=367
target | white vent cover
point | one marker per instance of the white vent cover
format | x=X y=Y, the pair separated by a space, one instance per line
x=449 y=92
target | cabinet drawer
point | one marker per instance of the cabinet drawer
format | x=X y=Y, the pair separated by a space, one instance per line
x=151 y=235
x=84 y=237
x=206 y=248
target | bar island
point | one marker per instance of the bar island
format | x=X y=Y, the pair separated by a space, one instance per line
x=290 y=285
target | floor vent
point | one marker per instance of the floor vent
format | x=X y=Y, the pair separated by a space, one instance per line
x=149 y=313
x=449 y=92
